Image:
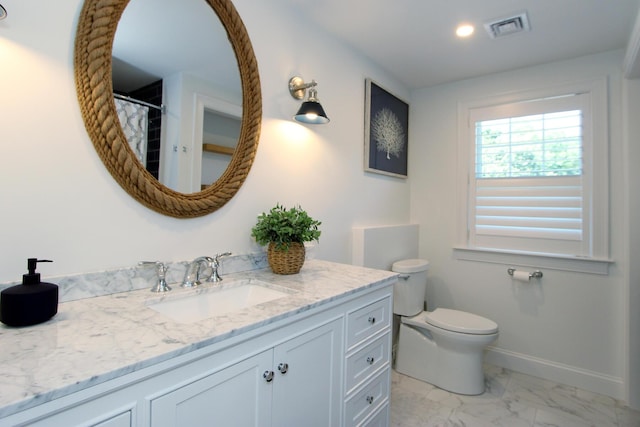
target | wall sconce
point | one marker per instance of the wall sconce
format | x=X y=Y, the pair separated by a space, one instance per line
x=3 y=12
x=310 y=111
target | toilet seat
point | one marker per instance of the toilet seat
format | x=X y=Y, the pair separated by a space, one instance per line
x=460 y=321
x=454 y=321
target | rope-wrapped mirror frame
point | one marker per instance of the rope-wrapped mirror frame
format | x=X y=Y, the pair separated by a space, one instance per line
x=92 y=62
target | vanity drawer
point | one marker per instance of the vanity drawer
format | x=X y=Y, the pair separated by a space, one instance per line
x=364 y=363
x=365 y=402
x=380 y=419
x=366 y=321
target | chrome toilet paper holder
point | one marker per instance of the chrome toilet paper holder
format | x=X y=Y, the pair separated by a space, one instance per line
x=533 y=275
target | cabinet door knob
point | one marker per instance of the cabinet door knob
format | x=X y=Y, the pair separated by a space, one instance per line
x=372 y=320
x=268 y=376
x=283 y=368
x=369 y=400
x=370 y=360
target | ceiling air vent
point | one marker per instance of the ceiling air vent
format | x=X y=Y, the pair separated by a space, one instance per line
x=507 y=26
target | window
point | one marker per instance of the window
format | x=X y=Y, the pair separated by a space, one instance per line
x=535 y=173
x=547 y=144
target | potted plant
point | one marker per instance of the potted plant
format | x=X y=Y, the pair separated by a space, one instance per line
x=285 y=231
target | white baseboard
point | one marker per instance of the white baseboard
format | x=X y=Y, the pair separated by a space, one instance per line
x=558 y=372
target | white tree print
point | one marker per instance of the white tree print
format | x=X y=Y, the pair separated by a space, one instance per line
x=388 y=133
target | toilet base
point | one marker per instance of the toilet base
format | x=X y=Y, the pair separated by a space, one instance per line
x=448 y=360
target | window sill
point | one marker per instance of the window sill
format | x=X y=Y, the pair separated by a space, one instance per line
x=534 y=260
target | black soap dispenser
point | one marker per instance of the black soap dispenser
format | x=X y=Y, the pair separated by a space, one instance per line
x=32 y=302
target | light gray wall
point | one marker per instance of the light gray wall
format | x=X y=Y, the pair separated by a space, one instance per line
x=573 y=326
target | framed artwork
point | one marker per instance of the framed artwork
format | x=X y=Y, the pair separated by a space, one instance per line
x=386 y=132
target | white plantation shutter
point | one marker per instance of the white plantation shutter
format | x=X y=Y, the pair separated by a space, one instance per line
x=529 y=184
x=529 y=214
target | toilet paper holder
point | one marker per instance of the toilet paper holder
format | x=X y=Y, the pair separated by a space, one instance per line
x=534 y=275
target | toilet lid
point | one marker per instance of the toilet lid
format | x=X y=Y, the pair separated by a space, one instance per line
x=460 y=321
x=410 y=266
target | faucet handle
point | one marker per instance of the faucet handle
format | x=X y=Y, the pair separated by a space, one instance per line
x=161 y=269
x=215 y=277
x=216 y=258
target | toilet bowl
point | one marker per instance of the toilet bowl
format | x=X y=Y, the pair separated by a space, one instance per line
x=443 y=347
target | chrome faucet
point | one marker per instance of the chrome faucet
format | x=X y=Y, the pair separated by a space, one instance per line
x=215 y=277
x=161 y=285
x=192 y=275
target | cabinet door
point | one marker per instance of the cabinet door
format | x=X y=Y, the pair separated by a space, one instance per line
x=235 y=396
x=306 y=387
x=122 y=420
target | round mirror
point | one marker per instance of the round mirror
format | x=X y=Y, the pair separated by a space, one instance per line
x=169 y=189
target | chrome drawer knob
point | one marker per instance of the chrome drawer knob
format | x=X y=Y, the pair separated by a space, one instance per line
x=283 y=368
x=268 y=376
x=372 y=320
x=370 y=399
x=370 y=360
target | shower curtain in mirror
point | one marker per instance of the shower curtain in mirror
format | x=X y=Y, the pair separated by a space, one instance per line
x=133 y=119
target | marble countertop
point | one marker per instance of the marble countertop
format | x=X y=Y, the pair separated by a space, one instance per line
x=97 y=339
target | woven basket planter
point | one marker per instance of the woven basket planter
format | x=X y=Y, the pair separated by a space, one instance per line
x=286 y=261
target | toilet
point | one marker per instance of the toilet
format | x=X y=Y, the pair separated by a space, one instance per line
x=443 y=347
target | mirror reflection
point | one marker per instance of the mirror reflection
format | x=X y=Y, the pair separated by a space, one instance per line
x=177 y=91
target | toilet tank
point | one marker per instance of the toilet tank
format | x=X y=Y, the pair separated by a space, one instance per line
x=409 y=291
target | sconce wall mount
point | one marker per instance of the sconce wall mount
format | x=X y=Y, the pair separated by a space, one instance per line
x=298 y=88
x=310 y=111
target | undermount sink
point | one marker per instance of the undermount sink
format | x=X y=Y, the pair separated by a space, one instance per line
x=218 y=300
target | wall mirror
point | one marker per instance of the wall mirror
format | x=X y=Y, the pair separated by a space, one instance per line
x=107 y=36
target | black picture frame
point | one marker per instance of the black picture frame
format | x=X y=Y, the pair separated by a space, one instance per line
x=386 y=132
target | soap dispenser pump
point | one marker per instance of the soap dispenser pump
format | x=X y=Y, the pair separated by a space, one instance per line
x=32 y=302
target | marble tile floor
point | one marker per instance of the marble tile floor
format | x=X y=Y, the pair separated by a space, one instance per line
x=512 y=399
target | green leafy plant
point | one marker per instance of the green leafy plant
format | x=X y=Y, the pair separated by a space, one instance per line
x=283 y=226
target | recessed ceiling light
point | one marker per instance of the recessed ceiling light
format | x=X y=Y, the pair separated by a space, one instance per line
x=464 y=30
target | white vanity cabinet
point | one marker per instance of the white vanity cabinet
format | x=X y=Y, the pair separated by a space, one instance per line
x=325 y=365
x=292 y=384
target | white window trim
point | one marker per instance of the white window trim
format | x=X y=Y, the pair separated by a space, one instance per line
x=599 y=262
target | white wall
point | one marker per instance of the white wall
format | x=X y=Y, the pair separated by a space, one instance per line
x=631 y=90
x=571 y=327
x=58 y=201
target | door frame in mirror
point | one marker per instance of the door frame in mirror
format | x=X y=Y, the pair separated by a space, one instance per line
x=203 y=103
x=92 y=65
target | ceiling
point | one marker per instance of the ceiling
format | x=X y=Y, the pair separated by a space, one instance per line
x=415 y=40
